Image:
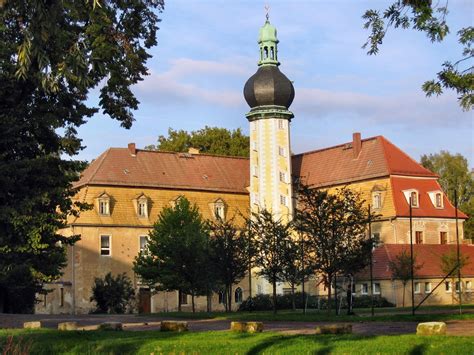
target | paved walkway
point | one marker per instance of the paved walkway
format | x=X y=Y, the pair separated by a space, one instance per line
x=137 y=323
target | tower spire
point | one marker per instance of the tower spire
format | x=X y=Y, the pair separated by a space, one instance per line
x=268 y=41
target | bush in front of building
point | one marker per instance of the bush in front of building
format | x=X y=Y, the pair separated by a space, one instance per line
x=113 y=294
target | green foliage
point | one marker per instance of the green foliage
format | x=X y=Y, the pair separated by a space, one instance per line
x=400 y=267
x=113 y=294
x=334 y=226
x=177 y=255
x=229 y=256
x=430 y=18
x=270 y=239
x=211 y=140
x=454 y=174
x=449 y=263
x=52 y=53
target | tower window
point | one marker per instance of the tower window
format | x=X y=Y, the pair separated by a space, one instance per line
x=265 y=50
x=255 y=170
x=282 y=176
x=254 y=146
x=283 y=200
x=281 y=151
x=280 y=124
x=272 y=53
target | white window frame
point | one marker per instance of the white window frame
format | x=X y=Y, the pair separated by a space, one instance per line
x=140 y=243
x=417 y=288
x=364 y=288
x=440 y=195
x=458 y=286
x=255 y=170
x=219 y=210
x=427 y=288
x=281 y=151
x=448 y=287
x=105 y=248
x=468 y=286
x=254 y=146
x=375 y=291
x=106 y=203
x=241 y=295
x=377 y=200
x=142 y=202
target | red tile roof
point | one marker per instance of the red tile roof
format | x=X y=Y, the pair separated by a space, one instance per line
x=117 y=166
x=426 y=207
x=336 y=165
x=426 y=255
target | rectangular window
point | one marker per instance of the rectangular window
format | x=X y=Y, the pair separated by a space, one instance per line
x=439 y=200
x=417 y=287
x=283 y=200
x=468 y=286
x=364 y=289
x=419 y=237
x=377 y=200
x=142 y=209
x=61 y=297
x=104 y=207
x=105 y=245
x=183 y=298
x=255 y=170
x=443 y=236
x=427 y=287
x=219 y=211
x=143 y=242
x=281 y=151
x=281 y=124
x=282 y=176
x=414 y=199
x=376 y=288
x=447 y=286
x=254 y=146
x=457 y=287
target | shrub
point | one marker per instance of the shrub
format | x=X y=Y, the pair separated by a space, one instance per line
x=112 y=294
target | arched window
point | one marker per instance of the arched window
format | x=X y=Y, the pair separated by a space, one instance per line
x=272 y=53
x=221 y=297
x=238 y=295
x=265 y=49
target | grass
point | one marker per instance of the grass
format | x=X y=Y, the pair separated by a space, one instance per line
x=226 y=342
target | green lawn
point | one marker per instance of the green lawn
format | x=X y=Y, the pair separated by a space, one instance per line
x=226 y=342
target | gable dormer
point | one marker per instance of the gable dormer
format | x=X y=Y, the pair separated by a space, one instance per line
x=414 y=196
x=218 y=209
x=436 y=198
x=378 y=196
x=141 y=204
x=103 y=204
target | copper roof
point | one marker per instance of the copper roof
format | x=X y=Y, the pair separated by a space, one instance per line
x=118 y=166
x=428 y=256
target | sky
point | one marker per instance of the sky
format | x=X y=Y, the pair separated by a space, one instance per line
x=208 y=49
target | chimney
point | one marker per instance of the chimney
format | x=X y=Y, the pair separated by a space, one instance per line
x=193 y=150
x=132 y=149
x=356 y=144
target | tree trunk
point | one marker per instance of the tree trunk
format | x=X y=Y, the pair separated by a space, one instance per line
x=179 y=300
x=192 y=301
x=230 y=298
x=293 y=304
x=274 y=296
x=403 y=298
x=335 y=295
x=209 y=302
x=329 y=293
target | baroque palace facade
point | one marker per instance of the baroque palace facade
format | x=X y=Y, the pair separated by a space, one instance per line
x=128 y=188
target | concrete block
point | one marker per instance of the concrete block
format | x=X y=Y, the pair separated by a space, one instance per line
x=334 y=329
x=431 y=328
x=247 y=327
x=173 y=326
x=111 y=326
x=32 y=325
x=67 y=326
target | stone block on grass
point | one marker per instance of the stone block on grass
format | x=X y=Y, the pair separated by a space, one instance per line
x=32 y=325
x=334 y=329
x=431 y=328
x=67 y=326
x=174 y=326
x=111 y=326
x=247 y=327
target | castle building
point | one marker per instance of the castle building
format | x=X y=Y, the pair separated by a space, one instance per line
x=128 y=187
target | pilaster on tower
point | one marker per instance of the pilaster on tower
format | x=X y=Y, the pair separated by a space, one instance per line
x=269 y=94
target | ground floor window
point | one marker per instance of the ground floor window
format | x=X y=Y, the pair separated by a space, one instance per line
x=417 y=287
x=458 y=287
x=183 y=298
x=221 y=297
x=376 y=288
x=447 y=286
x=427 y=287
x=468 y=286
x=238 y=295
x=364 y=289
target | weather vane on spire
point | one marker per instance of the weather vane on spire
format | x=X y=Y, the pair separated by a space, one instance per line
x=267 y=9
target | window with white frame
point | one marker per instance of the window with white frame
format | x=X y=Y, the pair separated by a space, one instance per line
x=417 y=287
x=376 y=288
x=427 y=287
x=283 y=200
x=255 y=170
x=414 y=198
x=282 y=176
x=142 y=207
x=238 y=295
x=377 y=200
x=281 y=151
x=105 y=247
x=439 y=200
x=447 y=286
x=468 y=286
x=364 y=288
x=104 y=206
x=219 y=210
x=254 y=145
x=143 y=243
x=458 y=287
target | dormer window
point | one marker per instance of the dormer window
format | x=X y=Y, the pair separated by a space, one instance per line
x=175 y=201
x=439 y=200
x=414 y=199
x=412 y=196
x=141 y=205
x=103 y=204
x=219 y=209
x=377 y=200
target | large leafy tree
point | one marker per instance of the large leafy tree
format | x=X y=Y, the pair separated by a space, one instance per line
x=212 y=140
x=229 y=254
x=454 y=174
x=429 y=17
x=177 y=254
x=335 y=227
x=52 y=53
x=271 y=239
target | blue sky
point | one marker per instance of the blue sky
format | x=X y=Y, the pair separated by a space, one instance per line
x=208 y=49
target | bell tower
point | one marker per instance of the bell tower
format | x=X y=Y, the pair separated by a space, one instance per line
x=269 y=93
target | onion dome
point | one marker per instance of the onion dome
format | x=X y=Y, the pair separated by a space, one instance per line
x=269 y=86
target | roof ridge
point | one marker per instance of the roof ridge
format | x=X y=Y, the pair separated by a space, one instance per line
x=194 y=155
x=333 y=147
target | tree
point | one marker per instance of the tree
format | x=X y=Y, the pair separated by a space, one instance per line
x=52 y=53
x=229 y=251
x=429 y=17
x=401 y=269
x=113 y=294
x=449 y=264
x=177 y=252
x=271 y=239
x=335 y=225
x=211 y=140
x=454 y=174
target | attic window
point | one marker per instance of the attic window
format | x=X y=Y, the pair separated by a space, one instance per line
x=377 y=200
x=438 y=200
x=142 y=208
x=104 y=205
x=219 y=209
